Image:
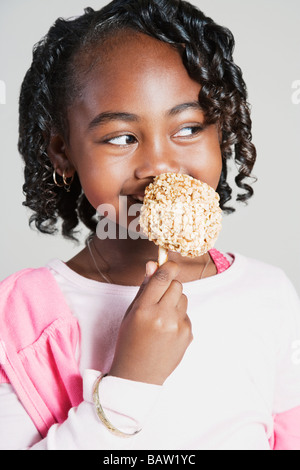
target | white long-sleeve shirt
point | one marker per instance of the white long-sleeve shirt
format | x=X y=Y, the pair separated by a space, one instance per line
x=242 y=367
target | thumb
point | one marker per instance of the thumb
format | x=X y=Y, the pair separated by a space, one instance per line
x=151 y=267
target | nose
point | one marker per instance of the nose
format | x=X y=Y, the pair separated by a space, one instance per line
x=156 y=158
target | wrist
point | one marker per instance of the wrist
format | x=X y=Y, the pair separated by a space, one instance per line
x=150 y=377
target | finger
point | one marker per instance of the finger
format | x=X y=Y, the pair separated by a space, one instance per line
x=151 y=267
x=182 y=304
x=159 y=282
x=189 y=330
x=174 y=297
x=172 y=294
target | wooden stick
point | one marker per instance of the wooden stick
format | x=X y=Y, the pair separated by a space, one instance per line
x=162 y=255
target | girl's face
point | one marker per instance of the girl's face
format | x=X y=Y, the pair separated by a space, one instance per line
x=138 y=116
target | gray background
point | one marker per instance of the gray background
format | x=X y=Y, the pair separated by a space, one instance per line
x=267 y=37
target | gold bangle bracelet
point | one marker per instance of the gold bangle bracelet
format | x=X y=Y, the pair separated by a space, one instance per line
x=101 y=415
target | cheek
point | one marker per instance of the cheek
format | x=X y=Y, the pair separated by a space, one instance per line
x=99 y=185
x=208 y=161
x=215 y=169
x=93 y=170
x=100 y=192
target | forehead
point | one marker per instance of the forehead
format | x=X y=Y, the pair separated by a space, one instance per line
x=131 y=69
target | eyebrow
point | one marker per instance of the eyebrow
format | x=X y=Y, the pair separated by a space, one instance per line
x=103 y=118
x=182 y=107
x=106 y=117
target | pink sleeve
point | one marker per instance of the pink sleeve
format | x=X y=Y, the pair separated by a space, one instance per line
x=3 y=377
x=286 y=434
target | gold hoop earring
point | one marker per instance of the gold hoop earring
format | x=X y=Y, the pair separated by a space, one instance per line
x=67 y=185
x=54 y=179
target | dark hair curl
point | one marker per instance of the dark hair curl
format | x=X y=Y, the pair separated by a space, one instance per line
x=50 y=86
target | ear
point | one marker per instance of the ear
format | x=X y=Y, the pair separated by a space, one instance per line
x=57 y=154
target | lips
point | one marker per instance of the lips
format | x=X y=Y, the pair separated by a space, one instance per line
x=138 y=190
x=137 y=197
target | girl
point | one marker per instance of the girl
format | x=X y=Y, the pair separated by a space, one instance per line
x=200 y=353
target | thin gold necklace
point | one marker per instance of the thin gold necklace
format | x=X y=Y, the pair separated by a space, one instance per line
x=107 y=277
x=206 y=265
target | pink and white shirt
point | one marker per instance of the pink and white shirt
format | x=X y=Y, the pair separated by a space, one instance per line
x=237 y=387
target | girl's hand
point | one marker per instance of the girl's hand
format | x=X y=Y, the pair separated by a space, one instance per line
x=156 y=330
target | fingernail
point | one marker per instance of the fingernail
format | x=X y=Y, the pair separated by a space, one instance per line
x=148 y=270
x=151 y=267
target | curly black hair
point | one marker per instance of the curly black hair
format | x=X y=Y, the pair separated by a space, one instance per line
x=50 y=85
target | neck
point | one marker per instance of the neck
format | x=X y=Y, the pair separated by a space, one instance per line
x=123 y=251
x=124 y=260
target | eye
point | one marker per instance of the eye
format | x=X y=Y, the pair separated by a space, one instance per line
x=188 y=131
x=121 y=140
